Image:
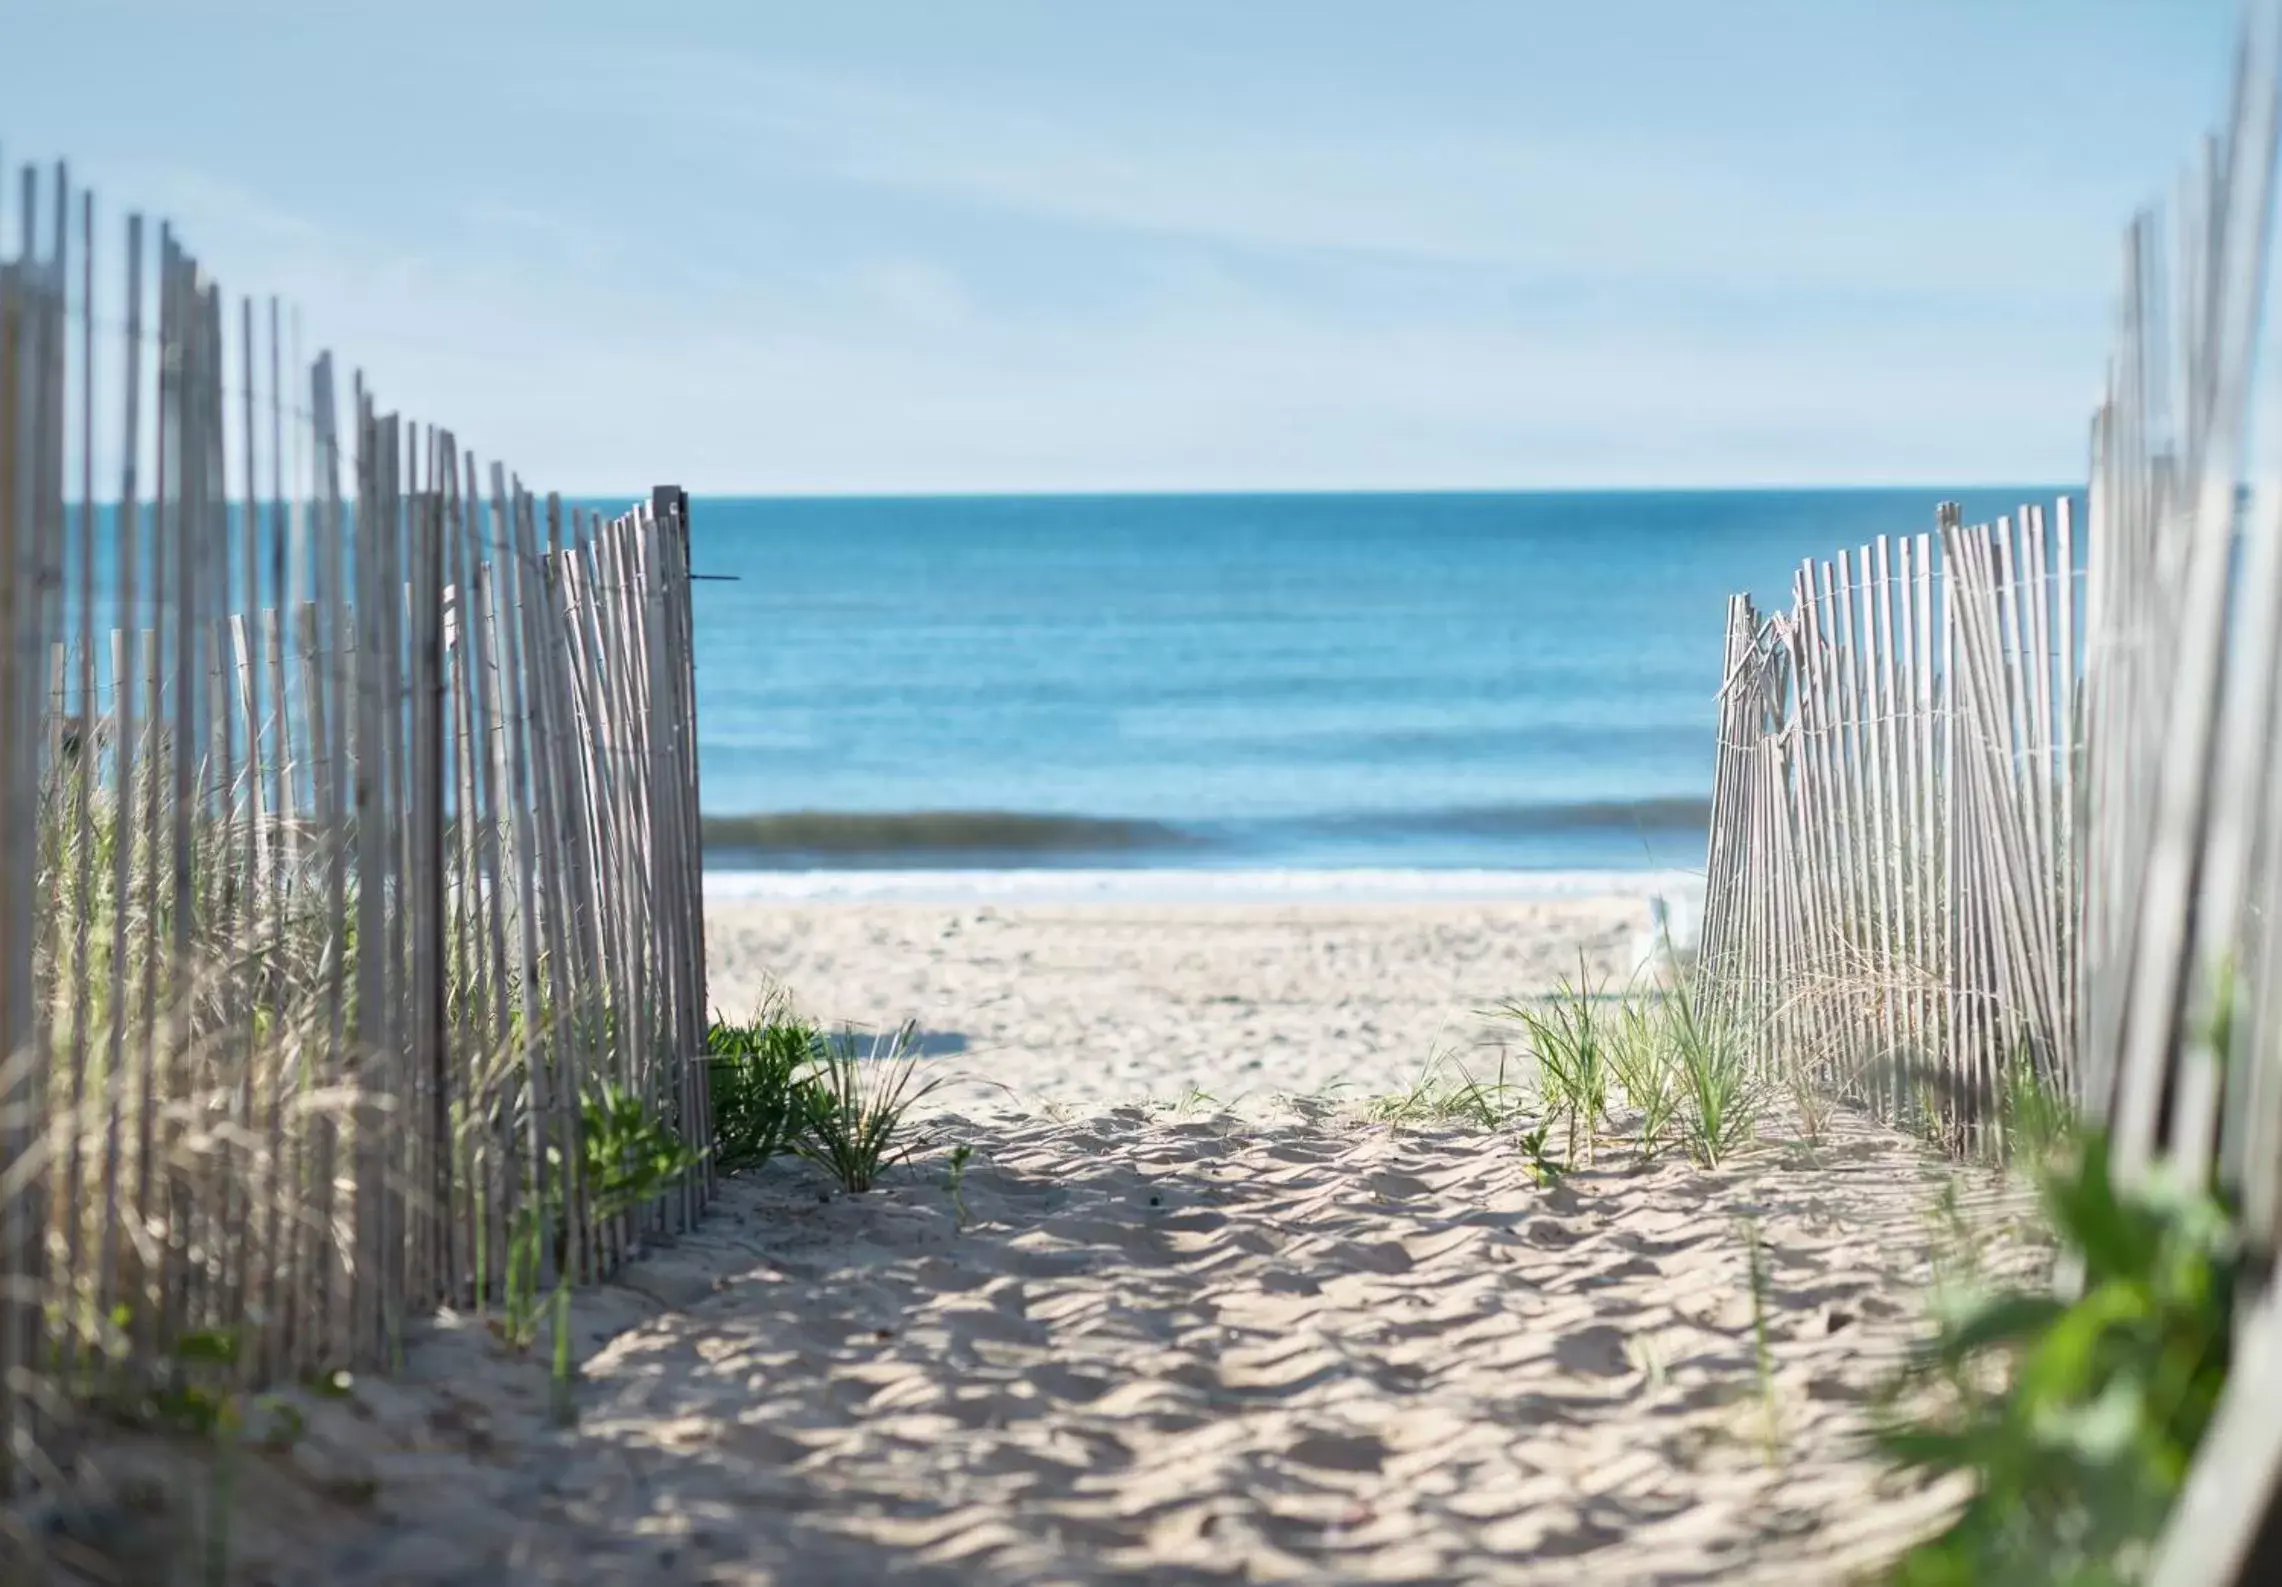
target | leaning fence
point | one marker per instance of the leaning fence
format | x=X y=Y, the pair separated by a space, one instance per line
x=349 y=800
x=1893 y=878
x=1983 y=818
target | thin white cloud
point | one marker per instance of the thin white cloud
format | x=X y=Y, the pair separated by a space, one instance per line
x=1274 y=308
x=892 y=376
x=1645 y=209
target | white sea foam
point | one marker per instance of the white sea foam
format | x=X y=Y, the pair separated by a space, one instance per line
x=1682 y=890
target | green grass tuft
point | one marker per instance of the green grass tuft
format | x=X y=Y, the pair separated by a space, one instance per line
x=1569 y=1037
x=1721 y=1098
x=756 y=1070
x=1447 y=1092
x=1640 y=1060
x=853 y=1102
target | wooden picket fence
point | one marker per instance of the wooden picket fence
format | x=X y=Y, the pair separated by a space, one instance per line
x=1980 y=820
x=349 y=800
x=1893 y=882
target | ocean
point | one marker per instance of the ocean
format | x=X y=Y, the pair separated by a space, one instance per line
x=1294 y=683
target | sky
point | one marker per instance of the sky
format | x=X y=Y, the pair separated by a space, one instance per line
x=910 y=246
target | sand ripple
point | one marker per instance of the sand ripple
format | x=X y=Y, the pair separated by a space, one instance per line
x=1161 y=1344
x=1160 y=1348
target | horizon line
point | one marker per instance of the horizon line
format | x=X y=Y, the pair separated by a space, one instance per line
x=596 y=498
x=1201 y=492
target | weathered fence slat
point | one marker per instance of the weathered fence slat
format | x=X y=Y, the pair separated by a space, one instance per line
x=2043 y=811
x=348 y=844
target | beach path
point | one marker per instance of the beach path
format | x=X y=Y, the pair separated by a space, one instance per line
x=1165 y=1346
x=1189 y=1339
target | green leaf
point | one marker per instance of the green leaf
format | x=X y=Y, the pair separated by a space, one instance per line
x=2101 y=1431
x=2064 y=1362
x=1984 y=1321
x=2112 y=1237
x=1929 y=1449
x=2077 y=1460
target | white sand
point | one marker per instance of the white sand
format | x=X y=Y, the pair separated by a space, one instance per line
x=1170 y=1344
x=1084 y=1004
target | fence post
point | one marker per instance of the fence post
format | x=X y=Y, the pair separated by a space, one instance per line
x=673 y=696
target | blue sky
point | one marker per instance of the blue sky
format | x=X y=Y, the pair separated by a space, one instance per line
x=1318 y=244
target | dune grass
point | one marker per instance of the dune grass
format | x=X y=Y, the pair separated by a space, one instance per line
x=1721 y=1096
x=1568 y=1035
x=2076 y=1415
x=207 y=1133
x=1640 y=1061
x=1448 y=1092
x=839 y=1101
x=854 y=1102
x=755 y=1068
x=1680 y=1071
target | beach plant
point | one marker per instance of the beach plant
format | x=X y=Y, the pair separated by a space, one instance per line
x=2076 y=1419
x=631 y=1155
x=1194 y=1097
x=194 y=1394
x=214 y=1101
x=1485 y=1104
x=955 y=1182
x=1720 y=1098
x=628 y=1156
x=523 y=1292
x=1447 y=1092
x=1542 y=1166
x=220 y=1420
x=1572 y=1047
x=562 y=1375
x=854 y=1102
x=199 y=1394
x=1640 y=1059
x=756 y=1069
x=1937 y=1121
x=1813 y=1098
x=2039 y=1120
x=1413 y=1106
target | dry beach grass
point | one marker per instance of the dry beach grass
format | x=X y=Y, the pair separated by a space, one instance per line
x=1200 y=1340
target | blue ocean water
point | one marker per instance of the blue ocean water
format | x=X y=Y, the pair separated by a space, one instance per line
x=1309 y=681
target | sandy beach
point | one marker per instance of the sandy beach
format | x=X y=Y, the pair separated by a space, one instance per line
x=1076 y=1005
x=1188 y=1316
